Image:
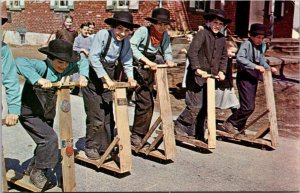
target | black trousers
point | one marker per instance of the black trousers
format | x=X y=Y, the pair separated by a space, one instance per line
x=247 y=87
x=41 y=131
x=143 y=109
x=192 y=118
x=100 y=120
x=144 y=98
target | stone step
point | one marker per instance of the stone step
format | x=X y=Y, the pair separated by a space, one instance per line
x=284 y=42
x=282 y=47
x=291 y=52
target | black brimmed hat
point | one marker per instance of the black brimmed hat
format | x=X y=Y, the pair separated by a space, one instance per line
x=3 y=20
x=62 y=50
x=258 y=28
x=123 y=18
x=217 y=13
x=160 y=15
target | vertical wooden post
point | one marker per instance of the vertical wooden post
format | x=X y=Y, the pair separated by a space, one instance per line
x=211 y=113
x=4 y=181
x=66 y=139
x=166 y=112
x=121 y=109
x=269 y=91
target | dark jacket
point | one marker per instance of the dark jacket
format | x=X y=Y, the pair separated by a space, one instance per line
x=66 y=35
x=207 y=52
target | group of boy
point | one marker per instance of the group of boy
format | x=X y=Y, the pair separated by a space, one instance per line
x=114 y=47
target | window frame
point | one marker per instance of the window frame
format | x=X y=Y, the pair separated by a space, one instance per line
x=10 y=5
x=114 y=5
x=57 y=7
x=195 y=5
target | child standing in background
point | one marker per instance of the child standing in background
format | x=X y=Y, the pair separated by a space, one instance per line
x=82 y=45
x=189 y=38
x=67 y=33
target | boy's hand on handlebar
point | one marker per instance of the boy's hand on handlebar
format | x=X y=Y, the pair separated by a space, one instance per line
x=132 y=82
x=152 y=65
x=110 y=84
x=83 y=81
x=44 y=83
x=170 y=63
x=221 y=75
x=201 y=73
x=11 y=119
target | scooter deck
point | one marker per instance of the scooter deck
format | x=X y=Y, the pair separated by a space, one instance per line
x=246 y=138
x=192 y=141
x=107 y=164
x=23 y=181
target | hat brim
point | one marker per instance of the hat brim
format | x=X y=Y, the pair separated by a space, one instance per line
x=209 y=17
x=259 y=32
x=74 y=58
x=3 y=20
x=153 y=20
x=113 y=21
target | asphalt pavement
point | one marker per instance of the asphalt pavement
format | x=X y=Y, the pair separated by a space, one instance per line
x=229 y=167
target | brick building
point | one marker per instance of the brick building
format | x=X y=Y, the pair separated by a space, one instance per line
x=41 y=16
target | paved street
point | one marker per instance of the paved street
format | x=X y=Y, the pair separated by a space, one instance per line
x=231 y=167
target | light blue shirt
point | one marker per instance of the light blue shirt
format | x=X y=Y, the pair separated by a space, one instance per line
x=81 y=42
x=34 y=69
x=10 y=80
x=244 y=56
x=138 y=42
x=113 y=53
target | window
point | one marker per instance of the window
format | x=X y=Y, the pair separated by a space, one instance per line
x=15 y=4
x=122 y=5
x=200 y=5
x=62 y=5
x=279 y=9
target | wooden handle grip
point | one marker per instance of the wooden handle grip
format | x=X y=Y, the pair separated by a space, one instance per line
x=65 y=84
x=119 y=85
x=159 y=66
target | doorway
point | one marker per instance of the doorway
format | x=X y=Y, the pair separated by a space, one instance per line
x=242 y=18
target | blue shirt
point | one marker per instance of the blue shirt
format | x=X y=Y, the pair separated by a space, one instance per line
x=244 y=56
x=81 y=42
x=10 y=81
x=113 y=53
x=34 y=69
x=138 y=42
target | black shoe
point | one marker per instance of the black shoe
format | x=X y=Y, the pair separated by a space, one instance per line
x=92 y=153
x=229 y=128
x=179 y=131
x=38 y=177
x=29 y=167
x=136 y=140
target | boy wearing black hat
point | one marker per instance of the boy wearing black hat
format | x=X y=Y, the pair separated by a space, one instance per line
x=251 y=65
x=207 y=55
x=150 y=46
x=109 y=47
x=38 y=102
x=10 y=81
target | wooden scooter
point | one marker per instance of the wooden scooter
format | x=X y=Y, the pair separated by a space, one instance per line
x=271 y=127
x=164 y=122
x=121 y=141
x=211 y=120
x=66 y=140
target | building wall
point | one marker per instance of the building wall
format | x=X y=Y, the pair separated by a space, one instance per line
x=283 y=26
x=38 y=17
